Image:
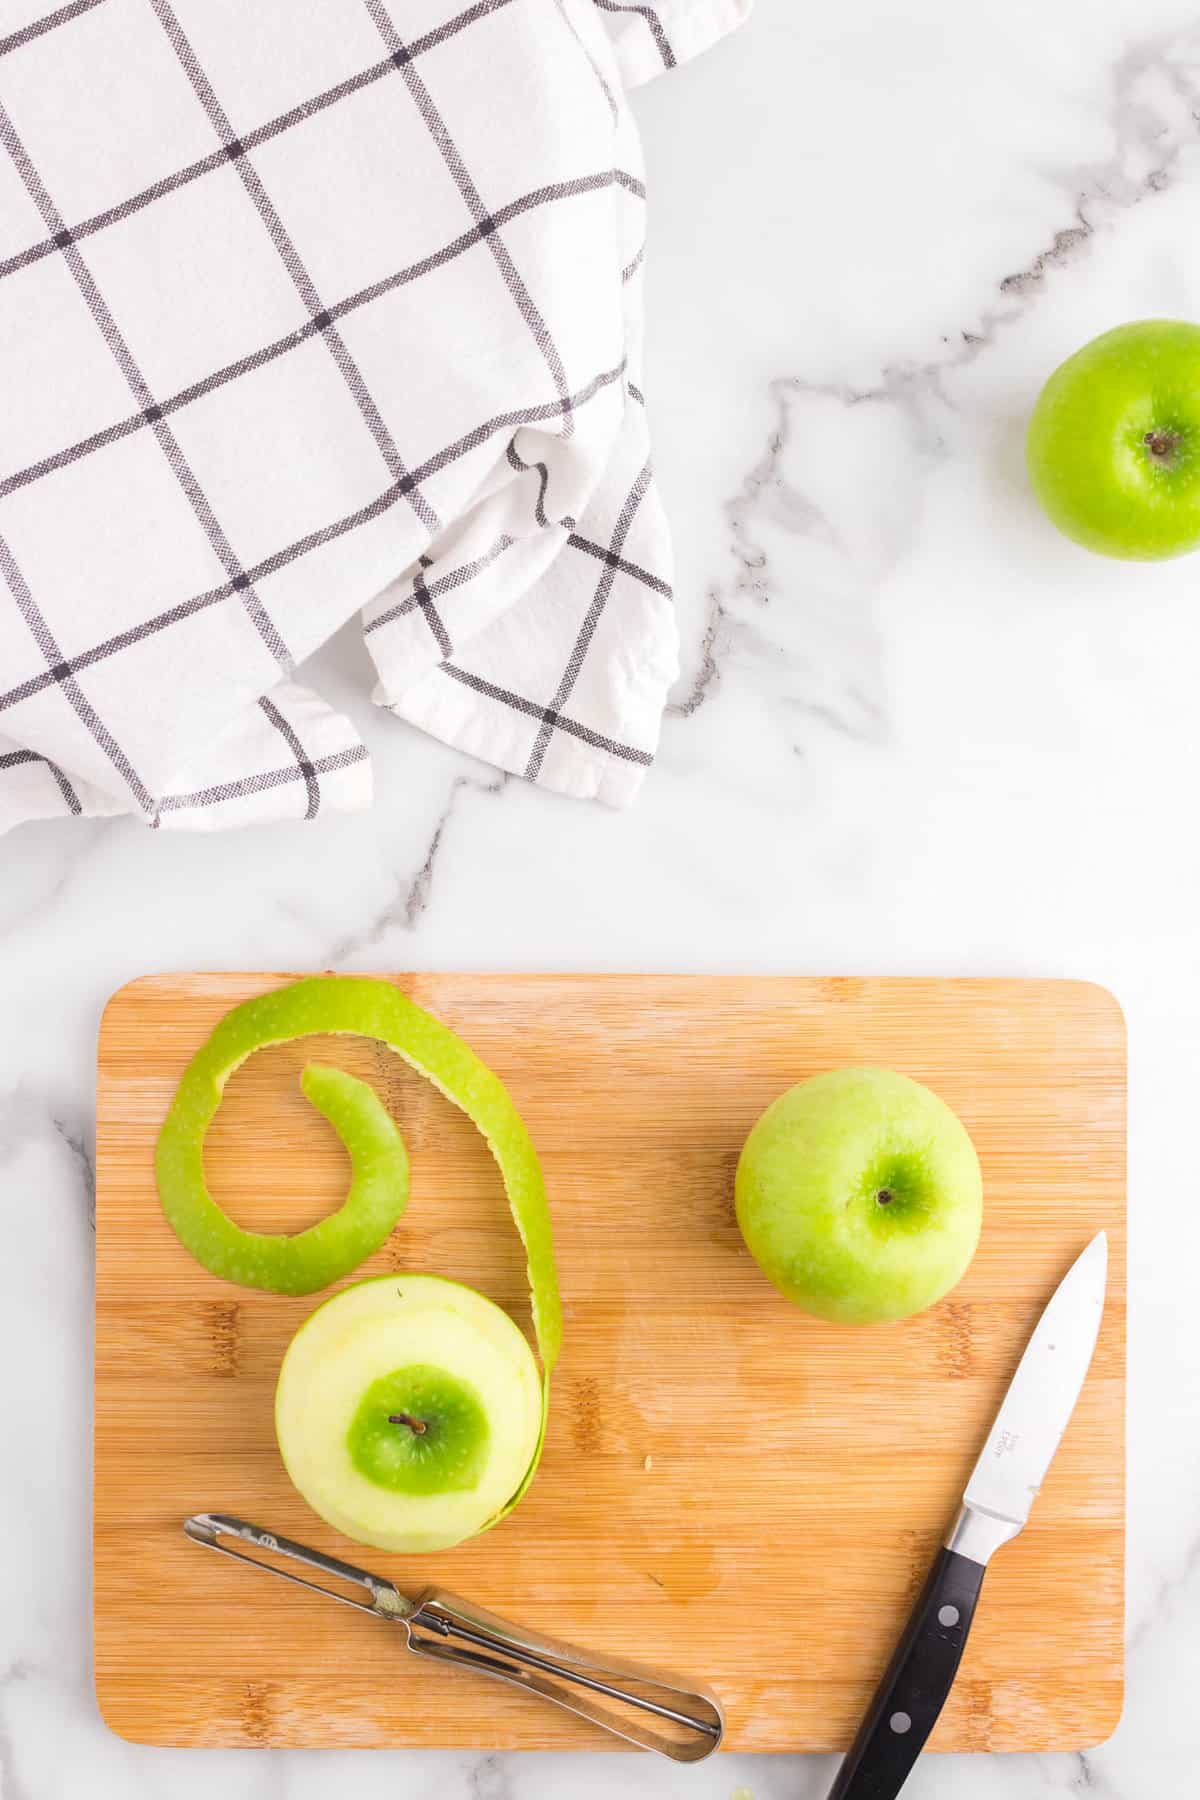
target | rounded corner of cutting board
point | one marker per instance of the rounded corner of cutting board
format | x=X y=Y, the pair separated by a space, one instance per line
x=122 y=1718
x=119 y=1002
x=1103 y=1004
x=1105 y=1722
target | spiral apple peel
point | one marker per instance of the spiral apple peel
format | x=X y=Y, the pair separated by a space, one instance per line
x=314 y=1258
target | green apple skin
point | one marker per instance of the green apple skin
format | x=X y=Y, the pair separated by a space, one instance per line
x=859 y=1194
x=326 y=1251
x=408 y=1412
x=357 y=1006
x=1113 y=447
x=444 y=1446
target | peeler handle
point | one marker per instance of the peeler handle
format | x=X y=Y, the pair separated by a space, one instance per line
x=646 y=1707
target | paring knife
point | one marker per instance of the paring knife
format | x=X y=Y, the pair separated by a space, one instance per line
x=1011 y=1468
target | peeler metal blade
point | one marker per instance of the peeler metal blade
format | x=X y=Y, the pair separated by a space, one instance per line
x=650 y=1708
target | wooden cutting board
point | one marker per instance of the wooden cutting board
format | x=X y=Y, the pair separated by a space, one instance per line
x=729 y=1487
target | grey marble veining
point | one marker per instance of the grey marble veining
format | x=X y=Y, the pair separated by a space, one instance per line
x=915 y=731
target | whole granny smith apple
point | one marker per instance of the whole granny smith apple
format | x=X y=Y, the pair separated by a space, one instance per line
x=859 y=1195
x=1113 y=447
x=408 y=1411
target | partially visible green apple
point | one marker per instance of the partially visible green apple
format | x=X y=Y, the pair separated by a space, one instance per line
x=1113 y=447
x=408 y=1411
x=859 y=1195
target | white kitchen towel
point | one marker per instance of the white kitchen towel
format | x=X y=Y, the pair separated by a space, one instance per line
x=312 y=309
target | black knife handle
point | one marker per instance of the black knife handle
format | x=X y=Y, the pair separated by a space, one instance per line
x=914 y=1689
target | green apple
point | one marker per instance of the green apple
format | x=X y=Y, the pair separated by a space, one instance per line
x=408 y=1411
x=859 y=1195
x=1113 y=447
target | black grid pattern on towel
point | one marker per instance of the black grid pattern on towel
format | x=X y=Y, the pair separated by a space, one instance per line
x=152 y=411
x=653 y=24
x=270 y=778
x=14 y=759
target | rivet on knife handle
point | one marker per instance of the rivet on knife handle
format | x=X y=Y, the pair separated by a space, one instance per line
x=646 y=1707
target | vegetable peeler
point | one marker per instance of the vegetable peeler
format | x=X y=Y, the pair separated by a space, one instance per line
x=647 y=1707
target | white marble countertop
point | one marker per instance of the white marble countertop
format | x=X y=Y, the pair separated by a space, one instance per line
x=917 y=732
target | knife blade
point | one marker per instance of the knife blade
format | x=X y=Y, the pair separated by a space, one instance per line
x=996 y=1503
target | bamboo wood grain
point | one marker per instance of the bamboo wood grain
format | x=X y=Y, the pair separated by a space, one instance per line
x=801 y=1474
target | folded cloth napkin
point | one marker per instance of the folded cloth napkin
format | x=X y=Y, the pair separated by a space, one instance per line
x=307 y=310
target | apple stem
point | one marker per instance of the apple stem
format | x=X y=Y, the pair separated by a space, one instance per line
x=884 y=1197
x=1161 y=444
x=418 y=1427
